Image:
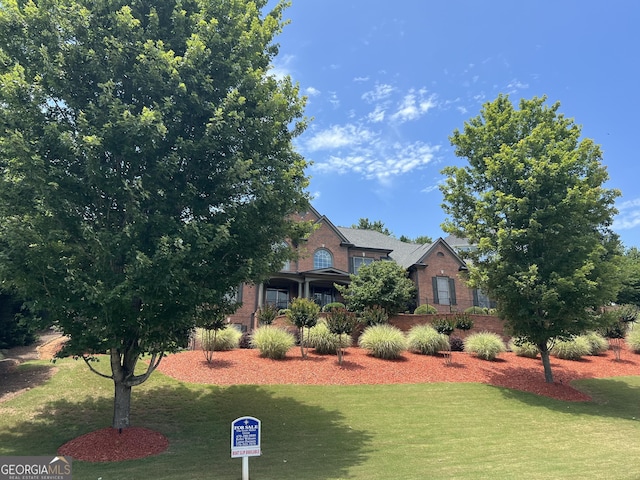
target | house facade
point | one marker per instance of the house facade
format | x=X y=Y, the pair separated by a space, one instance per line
x=331 y=254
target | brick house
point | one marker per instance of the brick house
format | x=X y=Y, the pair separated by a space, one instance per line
x=331 y=254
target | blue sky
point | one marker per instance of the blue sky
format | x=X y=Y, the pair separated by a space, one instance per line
x=388 y=83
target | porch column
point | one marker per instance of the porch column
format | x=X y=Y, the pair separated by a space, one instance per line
x=299 y=289
x=306 y=289
x=260 y=294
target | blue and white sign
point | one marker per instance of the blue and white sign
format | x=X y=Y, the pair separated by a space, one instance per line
x=245 y=437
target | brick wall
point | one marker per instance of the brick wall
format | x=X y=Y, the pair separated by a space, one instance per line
x=481 y=323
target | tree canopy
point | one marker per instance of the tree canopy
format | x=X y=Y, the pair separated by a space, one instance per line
x=532 y=199
x=377 y=225
x=147 y=167
x=382 y=284
x=630 y=289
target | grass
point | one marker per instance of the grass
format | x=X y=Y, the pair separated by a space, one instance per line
x=435 y=431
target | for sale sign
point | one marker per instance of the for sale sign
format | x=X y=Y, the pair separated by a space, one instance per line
x=245 y=437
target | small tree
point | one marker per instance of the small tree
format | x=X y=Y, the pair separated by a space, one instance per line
x=303 y=313
x=211 y=319
x=384 y=284
x=341 y=322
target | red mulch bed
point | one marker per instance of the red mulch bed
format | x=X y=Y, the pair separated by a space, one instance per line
x=110 y=445
x=244 y=366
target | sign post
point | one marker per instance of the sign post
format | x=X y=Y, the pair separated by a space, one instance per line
x=245 y=441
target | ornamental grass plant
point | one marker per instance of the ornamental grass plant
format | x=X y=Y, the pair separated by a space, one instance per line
x=573 y=349
x=426 y=340
x=633 y=340
x=224 y=339
x=383 y=341
x=323 y=341
x=523 y=348
x=273 y=342
x=597 y=343
x=485 y=345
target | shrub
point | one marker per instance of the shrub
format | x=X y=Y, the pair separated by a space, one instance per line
x=273 y=342
x=456 y=344
x=375 y=316
x=463 y=321
x=224 y=339
x=485 y=345
x=245 y=340
x=476 y=310
x=267 y=314
x=332 y=306
x=523 y=348
x=323 y=341
x=597 y=343
x=340 y=322
x=426 y=340
x=633 y=340
x=573 y=349
x=383 y=341
x=283 y=311
x=425 y=309
x=303 y=313
x=443 y=325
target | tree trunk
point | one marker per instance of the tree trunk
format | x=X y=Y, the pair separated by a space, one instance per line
x=121 y=405
x=546 y=363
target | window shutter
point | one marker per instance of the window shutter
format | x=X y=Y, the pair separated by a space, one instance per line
x=434 y=282
x=452 y=291
x=476 y=302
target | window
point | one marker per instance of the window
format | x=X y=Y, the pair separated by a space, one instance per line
x=323 y=296
x=444 y=291
x=480 y=299
x=357 y=262
x=277 y=297
x=322 y=259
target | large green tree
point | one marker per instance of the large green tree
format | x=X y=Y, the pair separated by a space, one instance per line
x=383 y=284
x=147 y=167
x=532 y=199
x=630 y=290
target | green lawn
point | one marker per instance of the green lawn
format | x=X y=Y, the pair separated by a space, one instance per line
x=430 y=431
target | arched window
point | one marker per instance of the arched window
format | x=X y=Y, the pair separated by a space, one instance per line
x=322 y=259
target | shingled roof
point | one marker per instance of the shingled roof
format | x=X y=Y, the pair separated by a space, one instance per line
x=403 y=253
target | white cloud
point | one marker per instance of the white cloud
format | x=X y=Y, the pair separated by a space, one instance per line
x=379 y=160
x=629 y=216
x=377 y=115
x=380 y=92
x=339 y=136
x=414 y=105
x=361 y=79
x=312 y=92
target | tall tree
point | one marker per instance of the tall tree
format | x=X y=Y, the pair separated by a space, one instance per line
x=532 y=199
x=377 y=225
x=147 y=167
x=630 y=290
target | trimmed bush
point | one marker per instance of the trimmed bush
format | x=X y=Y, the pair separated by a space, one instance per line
x=573 y=349
x=227 y=338
x=462 y=321
x=375 y=316
x=523 y=348
x=383 y=341
x=485 y=345
x=426 y=340
x=476 y=311
x=443 y=325
x=425 y=309
x=267 y=314
x=598 y=344
x=323 y=341
x=633 y=340
x=332 y=306
x=273 y=342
